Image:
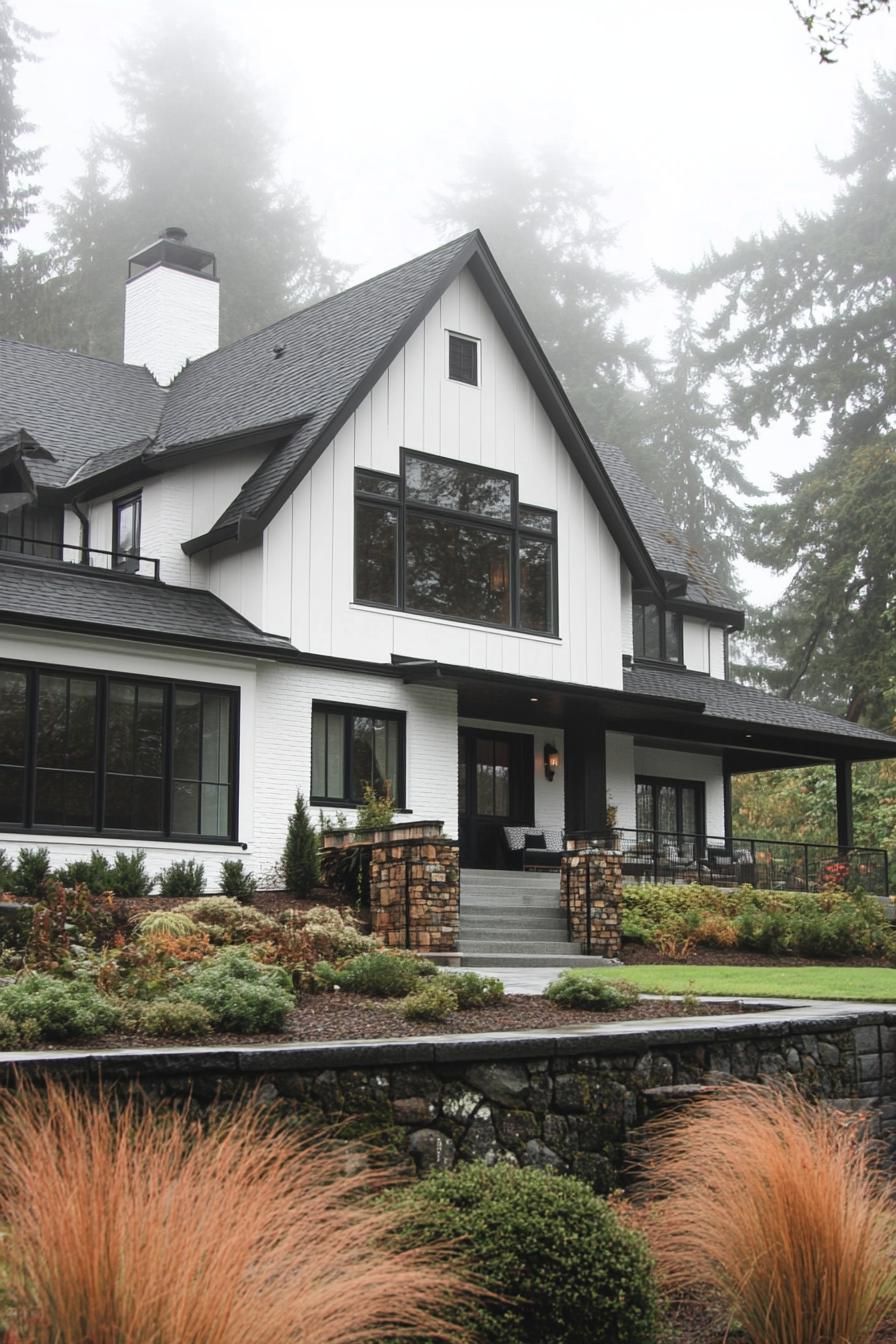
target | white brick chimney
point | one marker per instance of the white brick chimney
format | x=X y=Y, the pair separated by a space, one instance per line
x=170 y=305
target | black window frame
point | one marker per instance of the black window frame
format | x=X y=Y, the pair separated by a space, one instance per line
x=103 y=679
x=348 y=713
x=664 y=614
x=127 y=561
x=475 y=344
x=655 y=782
x=512 y=528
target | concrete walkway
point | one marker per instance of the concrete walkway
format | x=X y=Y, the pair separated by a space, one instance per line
x=517 y=980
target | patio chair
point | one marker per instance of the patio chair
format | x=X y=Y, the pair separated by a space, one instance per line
x=530 y=848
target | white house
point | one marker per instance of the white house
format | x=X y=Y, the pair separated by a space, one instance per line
x=371 y=542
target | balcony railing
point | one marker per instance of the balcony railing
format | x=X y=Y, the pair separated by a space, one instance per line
x=89 y=557
x=771 y=865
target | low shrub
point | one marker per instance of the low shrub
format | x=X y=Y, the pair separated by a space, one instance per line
x=334 y=935
x=174 y=1017
x=239 y=993
x=476 y=991
x=778 y=1207
x=123 y=1225
x=59 y=1009
x=128 y=876
x=567 y=1270
x=380 y=974
x=94 y=873
x=31 y=873
x=236 y=882
x=586 y=989
x=184 y=879
x=173 y=923
x=434 y=1001
x=227 y=921
x=376 y=811
x=17 y=1035
x=68 y=917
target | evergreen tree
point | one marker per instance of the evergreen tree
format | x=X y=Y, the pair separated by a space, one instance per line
x=197 y=149
x=545 y=225
x=690 y=455
x=806 y=326
x=301 y=860
x=21 y=270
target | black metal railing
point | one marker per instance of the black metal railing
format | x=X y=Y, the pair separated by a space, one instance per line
x=88 y=557
x=771 y=865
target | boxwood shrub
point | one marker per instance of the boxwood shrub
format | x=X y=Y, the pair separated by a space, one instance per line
x=586 y=989
x=569 y=1272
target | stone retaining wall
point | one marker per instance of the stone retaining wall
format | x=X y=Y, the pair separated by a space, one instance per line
x=415 y=893
x=593 y=877
x=567 y=1100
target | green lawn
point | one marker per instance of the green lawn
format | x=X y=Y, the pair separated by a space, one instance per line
x=790 y=982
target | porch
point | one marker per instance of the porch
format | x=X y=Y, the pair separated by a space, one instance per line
x=768 y=865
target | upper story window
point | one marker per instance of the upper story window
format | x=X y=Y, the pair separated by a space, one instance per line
x=657 y=633
x=463 y=359
x=118 y=755
x=126 y=514
x=450 y=539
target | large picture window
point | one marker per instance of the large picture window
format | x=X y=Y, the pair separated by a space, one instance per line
x=450 y=539
x=125 y=756
x=352 y=747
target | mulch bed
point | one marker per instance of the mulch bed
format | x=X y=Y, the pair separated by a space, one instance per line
x=698 y=1323
x=351 y=1017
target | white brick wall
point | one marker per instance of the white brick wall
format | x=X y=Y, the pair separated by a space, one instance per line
x=169 y=317
x=283 y=745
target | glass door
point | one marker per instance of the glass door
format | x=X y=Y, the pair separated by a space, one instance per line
x=495 y=789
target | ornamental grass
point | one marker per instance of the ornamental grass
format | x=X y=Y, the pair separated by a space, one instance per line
x=124 y=1225
x=777 y=1206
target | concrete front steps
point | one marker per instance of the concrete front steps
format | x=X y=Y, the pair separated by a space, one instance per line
x=514 y=919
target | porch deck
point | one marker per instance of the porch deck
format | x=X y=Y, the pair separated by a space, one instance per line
x=769 y=865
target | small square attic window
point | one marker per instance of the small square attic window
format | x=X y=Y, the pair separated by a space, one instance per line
x=463 y=359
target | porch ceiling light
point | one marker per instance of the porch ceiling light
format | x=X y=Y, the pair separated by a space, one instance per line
x=551 y=760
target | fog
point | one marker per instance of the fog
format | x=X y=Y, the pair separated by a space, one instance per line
x=702 y=118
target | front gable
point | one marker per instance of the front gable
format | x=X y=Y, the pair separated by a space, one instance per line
x=502 y=425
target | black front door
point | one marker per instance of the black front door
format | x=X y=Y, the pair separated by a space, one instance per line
x=496 y=789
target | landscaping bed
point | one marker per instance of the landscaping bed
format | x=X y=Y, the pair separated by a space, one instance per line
x=351 y=1017
x=640 y=954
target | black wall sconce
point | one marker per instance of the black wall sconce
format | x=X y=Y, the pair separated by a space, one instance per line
x=551 y=760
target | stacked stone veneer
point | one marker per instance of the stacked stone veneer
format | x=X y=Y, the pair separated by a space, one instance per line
x=415 y=893
x=594 y=873
x=568 y=1100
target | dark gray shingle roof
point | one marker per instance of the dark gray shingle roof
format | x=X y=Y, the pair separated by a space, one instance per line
x=123 y=607
x=73 y=405
x=666 y=546
x=745 y=704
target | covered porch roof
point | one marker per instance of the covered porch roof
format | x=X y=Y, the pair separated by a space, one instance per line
x=754 y=730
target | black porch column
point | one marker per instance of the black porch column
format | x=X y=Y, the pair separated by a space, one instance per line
x=844 y=803
x=585 y=777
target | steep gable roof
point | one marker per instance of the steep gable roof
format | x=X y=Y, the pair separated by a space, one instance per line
x=73 y=405
x=668 y=548
x=323 y=360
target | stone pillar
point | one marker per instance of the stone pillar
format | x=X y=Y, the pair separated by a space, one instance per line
x=593 y=878
x=415 y=893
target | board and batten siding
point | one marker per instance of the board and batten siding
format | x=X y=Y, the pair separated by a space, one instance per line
x=308 y=567
x=704 y=647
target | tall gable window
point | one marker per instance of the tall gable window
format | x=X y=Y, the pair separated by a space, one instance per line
x=657 y=633
x=463 y=359
x=450 y=539
x=103 y=754
x=126 y=533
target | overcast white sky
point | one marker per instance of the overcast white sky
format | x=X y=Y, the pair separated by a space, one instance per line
x=701 y=117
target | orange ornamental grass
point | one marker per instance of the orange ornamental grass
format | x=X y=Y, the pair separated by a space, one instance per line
x=125 y=1227
x=778 y=1206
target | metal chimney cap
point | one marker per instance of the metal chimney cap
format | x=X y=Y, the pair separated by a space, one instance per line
x=175 y=234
